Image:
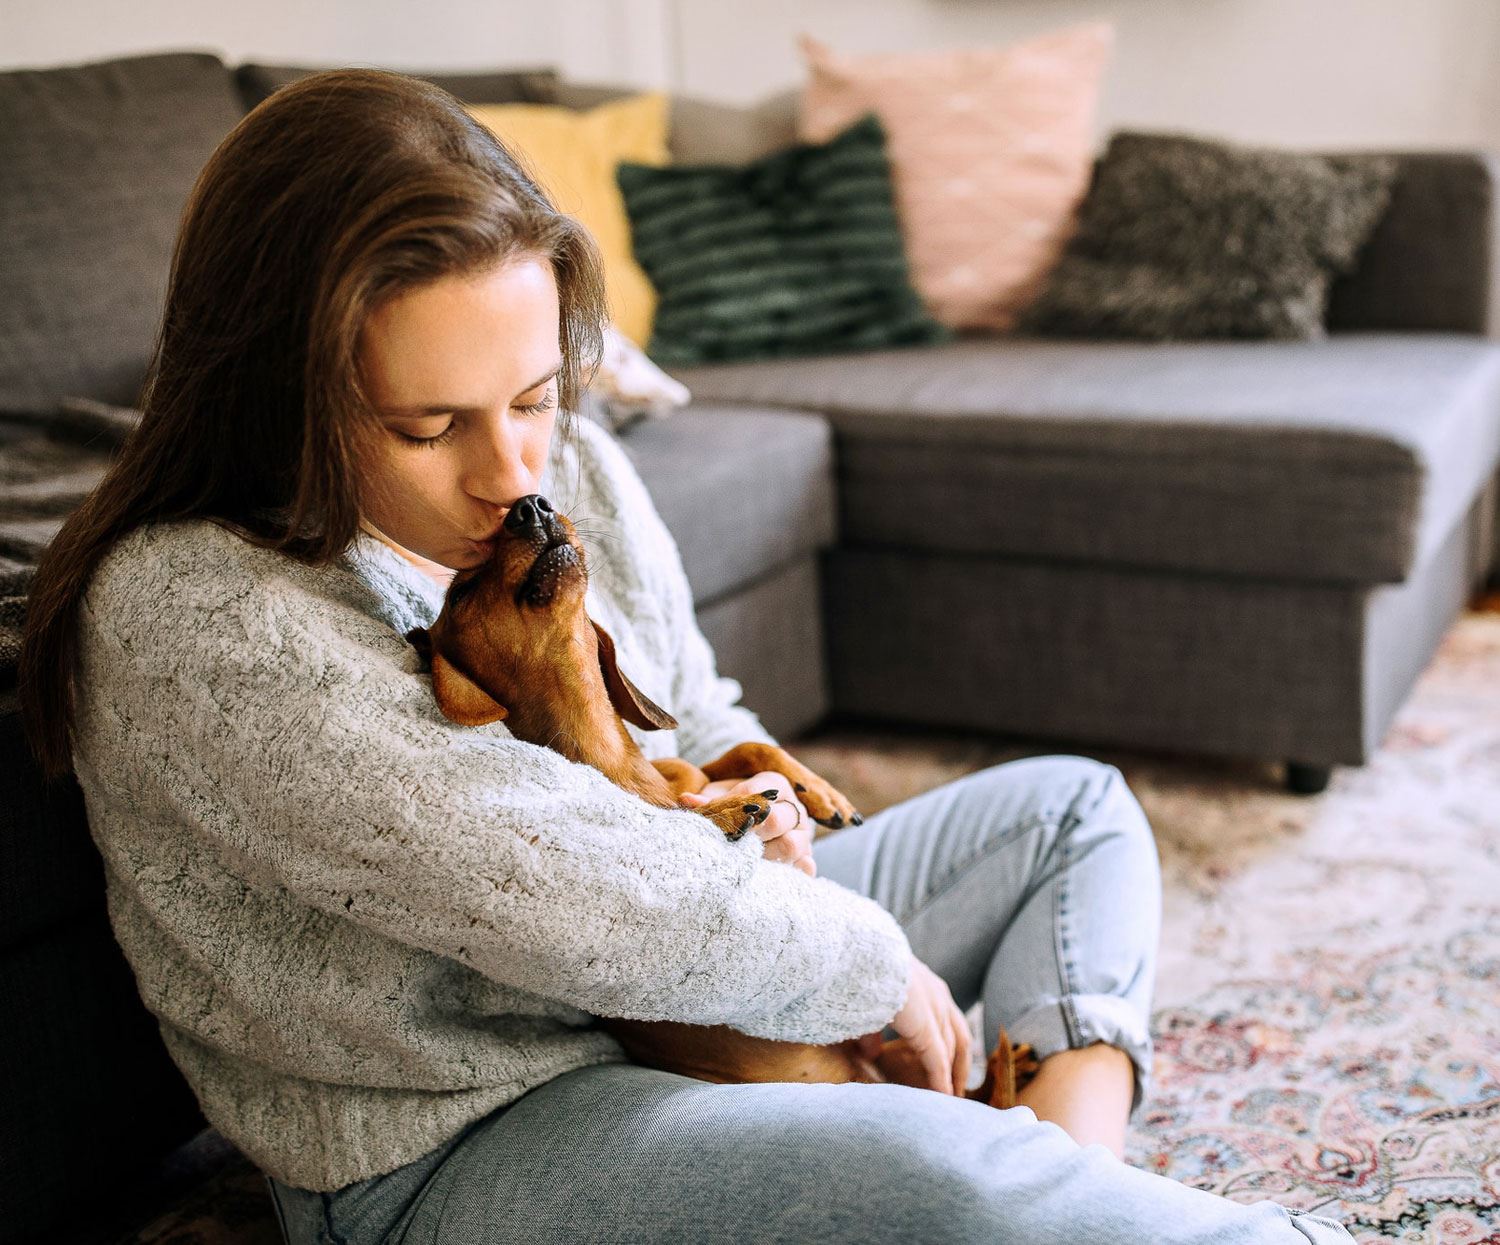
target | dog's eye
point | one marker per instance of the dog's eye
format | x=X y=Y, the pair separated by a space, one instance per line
x=461 y=587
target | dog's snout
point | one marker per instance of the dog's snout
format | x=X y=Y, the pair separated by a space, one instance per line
x=531 y=515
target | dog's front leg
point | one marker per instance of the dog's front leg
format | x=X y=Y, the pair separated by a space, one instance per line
x=681 y=775
x=827 y=805
x=733 y=814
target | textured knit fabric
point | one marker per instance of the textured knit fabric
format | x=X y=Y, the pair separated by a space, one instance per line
x=362 y=926
x=1182 y=237
x=797 y=253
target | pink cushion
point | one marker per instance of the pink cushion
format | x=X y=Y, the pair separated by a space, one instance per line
x=991 y=151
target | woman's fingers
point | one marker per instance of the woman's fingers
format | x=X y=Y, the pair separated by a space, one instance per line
x=935 y=1047
x=961 y=1048
x=788 y=832
x=937 y=1060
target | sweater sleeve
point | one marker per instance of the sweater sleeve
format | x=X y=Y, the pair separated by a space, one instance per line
x=297 y=735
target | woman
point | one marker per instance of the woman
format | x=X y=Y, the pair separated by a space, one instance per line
x=377 y=942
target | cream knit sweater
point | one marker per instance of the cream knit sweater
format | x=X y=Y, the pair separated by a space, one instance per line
x=361 y=926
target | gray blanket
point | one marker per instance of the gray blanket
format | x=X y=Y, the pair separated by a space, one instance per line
x=49 y=461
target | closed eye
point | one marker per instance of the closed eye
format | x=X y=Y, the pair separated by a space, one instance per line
x=442 y=438
x=461 y=587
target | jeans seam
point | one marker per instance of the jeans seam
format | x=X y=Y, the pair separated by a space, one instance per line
x=333 y=1236
x=956 y=874
x=427 y=1184
x=1063 y=943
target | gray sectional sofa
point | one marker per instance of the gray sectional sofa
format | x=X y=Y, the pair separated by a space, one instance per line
x=1233 y=548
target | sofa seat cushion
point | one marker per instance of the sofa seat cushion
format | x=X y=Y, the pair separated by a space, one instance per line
x=1343 y=460
x=744 y=492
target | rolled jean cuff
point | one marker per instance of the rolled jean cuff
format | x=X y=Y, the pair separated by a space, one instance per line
x=1319 y=1230
x=1078 y=1020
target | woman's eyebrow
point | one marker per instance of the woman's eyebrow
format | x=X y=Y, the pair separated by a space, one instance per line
x=439 y=408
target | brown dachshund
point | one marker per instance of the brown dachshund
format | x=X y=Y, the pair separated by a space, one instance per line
x=513 y=641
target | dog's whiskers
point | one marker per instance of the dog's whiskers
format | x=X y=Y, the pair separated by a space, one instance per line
x=586 y=524
x=592 y=536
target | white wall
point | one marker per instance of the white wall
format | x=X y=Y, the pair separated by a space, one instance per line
x=1297 y=72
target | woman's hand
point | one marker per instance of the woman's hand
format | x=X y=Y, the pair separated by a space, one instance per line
x=788 y=832
x=935 y=1030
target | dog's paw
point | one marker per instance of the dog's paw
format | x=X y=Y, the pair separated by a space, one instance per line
x=825 y=803
x=735 y=814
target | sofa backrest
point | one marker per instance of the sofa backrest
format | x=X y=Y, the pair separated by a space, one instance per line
x=702 y=131
x=96 y=162
x=509 y=86
x=99 y=159
x=1432 y=263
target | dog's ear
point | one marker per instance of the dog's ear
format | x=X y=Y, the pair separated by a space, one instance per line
x=629 y=701
x=460 y=698
x=418 y=638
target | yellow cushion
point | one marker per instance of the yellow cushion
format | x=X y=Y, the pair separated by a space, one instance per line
x=573 y=154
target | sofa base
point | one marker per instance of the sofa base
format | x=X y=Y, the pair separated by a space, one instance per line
x=1309 y=674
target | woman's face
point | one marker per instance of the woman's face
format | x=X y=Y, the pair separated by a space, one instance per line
x=470 y=361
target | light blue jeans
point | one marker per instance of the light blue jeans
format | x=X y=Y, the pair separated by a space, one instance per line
x=1032 y=885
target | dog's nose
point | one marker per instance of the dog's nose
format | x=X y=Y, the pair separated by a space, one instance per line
x=532 y=515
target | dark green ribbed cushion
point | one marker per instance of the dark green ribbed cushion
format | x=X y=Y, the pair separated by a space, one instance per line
x=797 y=253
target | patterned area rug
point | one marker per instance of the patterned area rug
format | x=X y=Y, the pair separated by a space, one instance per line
x=1328 y=992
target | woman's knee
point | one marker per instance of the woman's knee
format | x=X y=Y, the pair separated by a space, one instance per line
x=1061 y=793
x=1104 y=812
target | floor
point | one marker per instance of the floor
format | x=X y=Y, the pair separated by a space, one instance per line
x=1328 y=1001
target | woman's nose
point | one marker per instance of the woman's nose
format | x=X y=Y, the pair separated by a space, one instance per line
x=500 y=466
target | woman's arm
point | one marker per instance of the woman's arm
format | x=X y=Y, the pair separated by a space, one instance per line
x=295 y=734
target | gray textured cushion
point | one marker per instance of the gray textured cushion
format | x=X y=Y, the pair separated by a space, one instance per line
x=743 y=492
x=1344 y=460
x=96 y=162
x=1182 y=237
x=510 y=86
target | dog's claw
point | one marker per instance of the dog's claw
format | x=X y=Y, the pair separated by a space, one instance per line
x=771 y=794
x=857 y=820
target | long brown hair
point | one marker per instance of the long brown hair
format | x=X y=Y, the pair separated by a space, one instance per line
x=338 y=191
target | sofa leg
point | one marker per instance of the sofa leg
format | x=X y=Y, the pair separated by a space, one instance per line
x=1307 y=779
